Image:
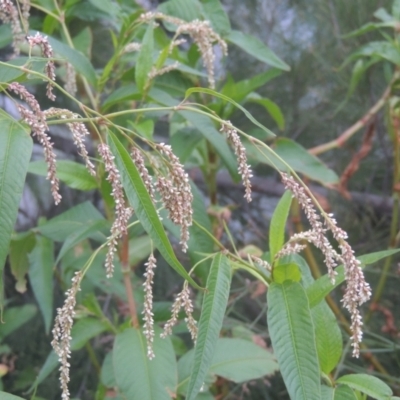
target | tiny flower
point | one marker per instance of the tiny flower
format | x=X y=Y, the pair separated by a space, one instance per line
x=176 y=194
x=148 y=327
x=9 y=14
x=182 y=300
x=122 y=213
x=243 y=168
x=47 y=52
x=62 y=332
x=36 y=119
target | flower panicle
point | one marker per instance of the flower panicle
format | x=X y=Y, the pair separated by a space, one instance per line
x=176 y=194
x=47 y=52
x=9 y=15
x=182 y=300
x=244 y=169
x=122 y=213
x=201 y=33
x=357 y=290
x=148 y=327
x=36 y=119
x=78 y=130
x=61 y=342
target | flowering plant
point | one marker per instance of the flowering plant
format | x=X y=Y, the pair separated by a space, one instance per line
x=162 y=70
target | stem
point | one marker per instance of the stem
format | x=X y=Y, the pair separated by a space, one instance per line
x=363 y=121
x=395 y=212
x=126 y=271
x=93 y=358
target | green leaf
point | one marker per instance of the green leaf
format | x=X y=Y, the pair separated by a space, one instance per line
x=256 y=48
x=304 y=162
x=141 y=202
x=20 y=247
x=237 y=360
x=15 y=317
x=328 y=337
x=229 y=100
x=278 y=224
x=368 y=384
x=273 y=109
x=382 y=49
x=208 y=130
x=145 y=59
x=293 y=340
x=73 y=174
x=286 y=272
x=65 y=224
x=184 y=142
x=214 y=12
x=396 y=9
x=124 y=93
x=188 y=10
x=239 y=90
x=327 y=393
x=297 y=157
x=139 y=378
x=81 y=64
x=41 y=277
x=212 y=315
x=343 y=392
x=323 y=286
x=8 y=396
x=240 y=360
x=111 y=8
x=107 y=372
x=84 y=330
x=15 y=152
x=91 y=229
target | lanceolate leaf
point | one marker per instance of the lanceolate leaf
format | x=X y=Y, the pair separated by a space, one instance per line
x=323 y=286
x=75 y=175
x=257 y=49
x=228 y=99
x=8 y=396
x=237 y=360
x=293 y=340
x=145 y=59
x=278 y=224
x=328 y=337
x=368 y=384
x=139 y=378
x=343 y=392
x=41 y=277
x=15 y=152
x=212 y=315
x=141 y=202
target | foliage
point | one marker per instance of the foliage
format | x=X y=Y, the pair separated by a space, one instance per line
x=158 y=83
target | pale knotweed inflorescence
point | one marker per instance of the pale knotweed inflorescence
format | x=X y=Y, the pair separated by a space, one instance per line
x=36 y=119
x=357 y=290
x=70 y=79
x=25 y=10
x=148 y=327
x=122 y=213
x=182 y=300
x=132 y=47
x=9 y=14
x=164 y=70
x=243 y=168
x=78 y=130
x=176 y=194
x=143 y=171
x=47 y=52
x=201 y=33
x=62 y=332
